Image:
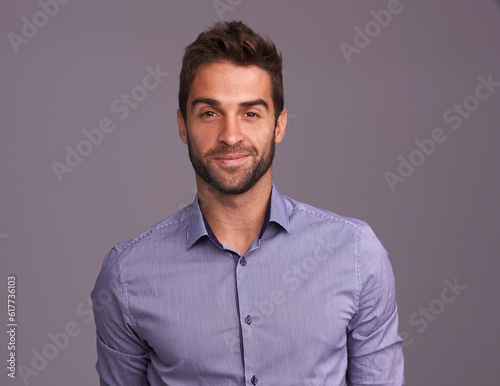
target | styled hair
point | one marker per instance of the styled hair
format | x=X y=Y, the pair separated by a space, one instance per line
x=235 y=43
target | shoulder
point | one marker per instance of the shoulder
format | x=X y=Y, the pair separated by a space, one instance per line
x=137 y=257
x=165 y=229
x=151 y=241
x=354 y=234
x=304 y=212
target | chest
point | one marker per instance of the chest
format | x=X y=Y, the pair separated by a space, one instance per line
x=287 y=307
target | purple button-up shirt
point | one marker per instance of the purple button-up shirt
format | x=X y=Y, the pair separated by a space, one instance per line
x=312 y=302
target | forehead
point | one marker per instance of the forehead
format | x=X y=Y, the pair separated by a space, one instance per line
x=227 y=83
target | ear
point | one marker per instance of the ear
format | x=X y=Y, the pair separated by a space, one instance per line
x=182 y=126
x=280 y=127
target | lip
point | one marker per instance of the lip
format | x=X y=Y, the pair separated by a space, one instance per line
x=231 y=159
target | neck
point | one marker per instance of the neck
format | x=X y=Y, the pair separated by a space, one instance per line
x=235 y=219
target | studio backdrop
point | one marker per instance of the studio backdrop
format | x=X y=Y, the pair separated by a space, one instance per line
x=393 y=110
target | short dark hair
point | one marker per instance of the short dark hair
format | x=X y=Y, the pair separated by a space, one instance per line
x=238 y=44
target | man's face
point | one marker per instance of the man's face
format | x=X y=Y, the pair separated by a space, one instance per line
x=230 y=126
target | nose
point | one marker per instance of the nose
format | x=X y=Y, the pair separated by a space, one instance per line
x=231 y=131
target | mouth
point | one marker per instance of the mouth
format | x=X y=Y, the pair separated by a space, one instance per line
x=231 y=159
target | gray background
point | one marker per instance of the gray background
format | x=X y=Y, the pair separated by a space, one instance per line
x=348 y=124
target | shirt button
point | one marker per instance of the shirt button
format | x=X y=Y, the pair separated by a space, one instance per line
x=254 y=380
x=243 y=261
x=248 y=319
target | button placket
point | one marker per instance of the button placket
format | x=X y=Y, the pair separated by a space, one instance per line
x=246 y=298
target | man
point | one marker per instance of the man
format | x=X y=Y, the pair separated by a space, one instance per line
x=244 y=286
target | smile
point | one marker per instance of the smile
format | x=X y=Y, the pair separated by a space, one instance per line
x=231 y=159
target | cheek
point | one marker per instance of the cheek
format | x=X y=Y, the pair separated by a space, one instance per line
x=268 y=140
x=202 y=144
x=197 y=139
x=195 y=145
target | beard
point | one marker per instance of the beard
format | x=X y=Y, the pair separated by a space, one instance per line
x=234 y=179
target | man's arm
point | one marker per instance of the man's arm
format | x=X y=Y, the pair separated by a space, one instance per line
x=123 y=358
x=375 y=352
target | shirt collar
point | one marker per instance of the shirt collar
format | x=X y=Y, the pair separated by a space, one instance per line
x=196 y=228
x=279 y=212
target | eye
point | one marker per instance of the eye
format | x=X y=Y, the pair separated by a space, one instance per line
x=251 y=114
x=208 y=113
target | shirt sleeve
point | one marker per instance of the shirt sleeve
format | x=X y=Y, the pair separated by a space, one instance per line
x=123 y=358
x=375 y=350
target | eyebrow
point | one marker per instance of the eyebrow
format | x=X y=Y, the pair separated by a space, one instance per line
x=216 y=103
x=207 y=101
x=257 y=102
